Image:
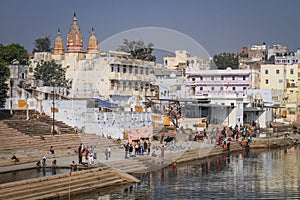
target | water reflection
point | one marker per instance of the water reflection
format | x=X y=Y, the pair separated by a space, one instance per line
x=30 y=173
x=247 y=175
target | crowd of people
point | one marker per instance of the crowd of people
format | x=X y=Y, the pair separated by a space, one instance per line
x=138 y=148
x=86 y=155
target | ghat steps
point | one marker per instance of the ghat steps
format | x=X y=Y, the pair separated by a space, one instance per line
x=31 y=148
x=64 y=185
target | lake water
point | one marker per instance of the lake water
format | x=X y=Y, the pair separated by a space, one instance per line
x=30 y=173
x=256 y=174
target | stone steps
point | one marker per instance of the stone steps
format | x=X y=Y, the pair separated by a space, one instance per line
x=61 y=185
x=129 y=165
x=44 y=187
x=31 y=148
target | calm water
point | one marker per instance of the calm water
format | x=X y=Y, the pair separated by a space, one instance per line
x=255 y=175
x=30 y=173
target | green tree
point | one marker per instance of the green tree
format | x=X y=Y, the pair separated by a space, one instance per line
x=13 y=52
x=49 y=72
x=4 y=75
x=42 y=45
x=271 y=60
x=138 y=50
x=224 y=60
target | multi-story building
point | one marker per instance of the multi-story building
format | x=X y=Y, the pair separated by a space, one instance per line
x=225 y=91
x=170 y=83
x=182 y=59
x=288 y=59
x=285 y=78
x=277 y=50
x=205 y=82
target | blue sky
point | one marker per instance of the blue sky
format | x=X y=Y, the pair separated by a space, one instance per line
x=218 y=25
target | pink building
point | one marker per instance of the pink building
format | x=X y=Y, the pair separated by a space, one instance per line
x=212 y=82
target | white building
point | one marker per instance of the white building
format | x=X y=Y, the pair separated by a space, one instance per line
x=207 y=82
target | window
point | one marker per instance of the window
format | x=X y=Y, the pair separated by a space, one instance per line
x=118 y=69
x=193 y=79
x=266 y=71
x=201 y=88
x=244 y=88
x=212 y=78
x=201 y=78
x=112 y=68
x=233 y=88
x=233 y=78
x=277 y=71
x=244 y=78
x=280 y=81
x=141 y=71
x=212 y=88
x=267 y=81
x=147 y=72
x=221 y=88
x=130 y=70
x=222 y=78
x=291 y=71
x=124 y=69
x=136 y=70
x=274 y=98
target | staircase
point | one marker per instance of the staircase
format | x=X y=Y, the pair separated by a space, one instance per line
x=129 y=165
x=64 y=185
x=32 y=148
x=234 y=146
x=36 y=125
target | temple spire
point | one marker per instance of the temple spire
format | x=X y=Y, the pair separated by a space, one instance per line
x=74 y=18
x=93 y=43
x=58 y=44
x=74 y=38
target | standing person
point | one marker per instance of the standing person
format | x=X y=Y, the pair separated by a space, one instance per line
x=142 y=149
x=80 y=154
x=145 y=146
x=136 y=149
x=44 y=162
x=73 y=166
x=149 y=148
x=162 y=137
x=54 y=163
x=126 y=148
x=90 y=158
x=130 y=150
x=162 y=151
x=108 y=151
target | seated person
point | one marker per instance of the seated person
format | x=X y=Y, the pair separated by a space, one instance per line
x=38 y=163
x=15 y=158
x=153 y=154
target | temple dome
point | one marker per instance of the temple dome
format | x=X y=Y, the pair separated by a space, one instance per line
x=93 y=43
x=74 y=39
x=58 y=44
